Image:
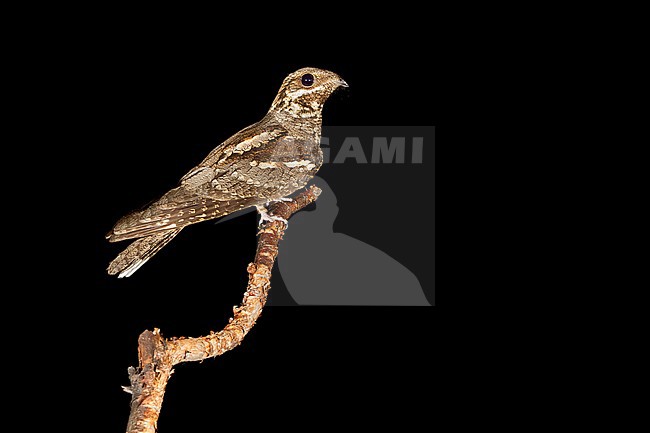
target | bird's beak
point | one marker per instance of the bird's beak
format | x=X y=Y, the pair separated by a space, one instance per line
x=340 y=81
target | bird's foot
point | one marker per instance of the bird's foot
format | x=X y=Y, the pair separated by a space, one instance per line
x=265 y=216
x=288 y=199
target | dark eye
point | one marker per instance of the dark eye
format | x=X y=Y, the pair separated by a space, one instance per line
x=307 y=80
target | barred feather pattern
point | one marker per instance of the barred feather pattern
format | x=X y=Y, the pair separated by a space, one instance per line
x=137 y=254
x=264 y=162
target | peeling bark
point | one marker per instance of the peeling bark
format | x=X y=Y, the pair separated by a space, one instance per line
x=157 y=355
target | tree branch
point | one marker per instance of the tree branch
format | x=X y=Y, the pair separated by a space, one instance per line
x=157 y=355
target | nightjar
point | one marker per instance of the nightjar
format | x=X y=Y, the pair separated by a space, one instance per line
x=264 y=162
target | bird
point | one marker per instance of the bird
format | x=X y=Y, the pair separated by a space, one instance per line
x=263 y=163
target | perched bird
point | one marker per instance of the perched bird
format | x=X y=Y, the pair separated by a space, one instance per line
x=262 y=163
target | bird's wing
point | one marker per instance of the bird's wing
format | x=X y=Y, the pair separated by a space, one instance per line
x=224 y=182
x=176 y=209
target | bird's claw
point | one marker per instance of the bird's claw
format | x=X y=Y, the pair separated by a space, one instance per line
x=287 y=199
x=265 y=216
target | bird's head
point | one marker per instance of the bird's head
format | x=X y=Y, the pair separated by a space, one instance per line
x=304 y=92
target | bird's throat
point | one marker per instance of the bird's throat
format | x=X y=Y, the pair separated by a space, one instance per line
x=298 y=110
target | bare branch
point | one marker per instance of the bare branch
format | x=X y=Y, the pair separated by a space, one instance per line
x=157 y=355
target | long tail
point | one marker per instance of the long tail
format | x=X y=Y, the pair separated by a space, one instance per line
x=137 y=254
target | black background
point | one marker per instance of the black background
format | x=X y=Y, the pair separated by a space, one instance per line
x=142 y=115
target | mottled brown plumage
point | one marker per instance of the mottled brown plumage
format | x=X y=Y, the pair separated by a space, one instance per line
x=264 y=162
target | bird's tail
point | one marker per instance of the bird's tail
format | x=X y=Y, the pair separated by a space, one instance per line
x=137 y=254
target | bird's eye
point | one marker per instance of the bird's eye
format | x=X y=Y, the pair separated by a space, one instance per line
x=307 y=80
